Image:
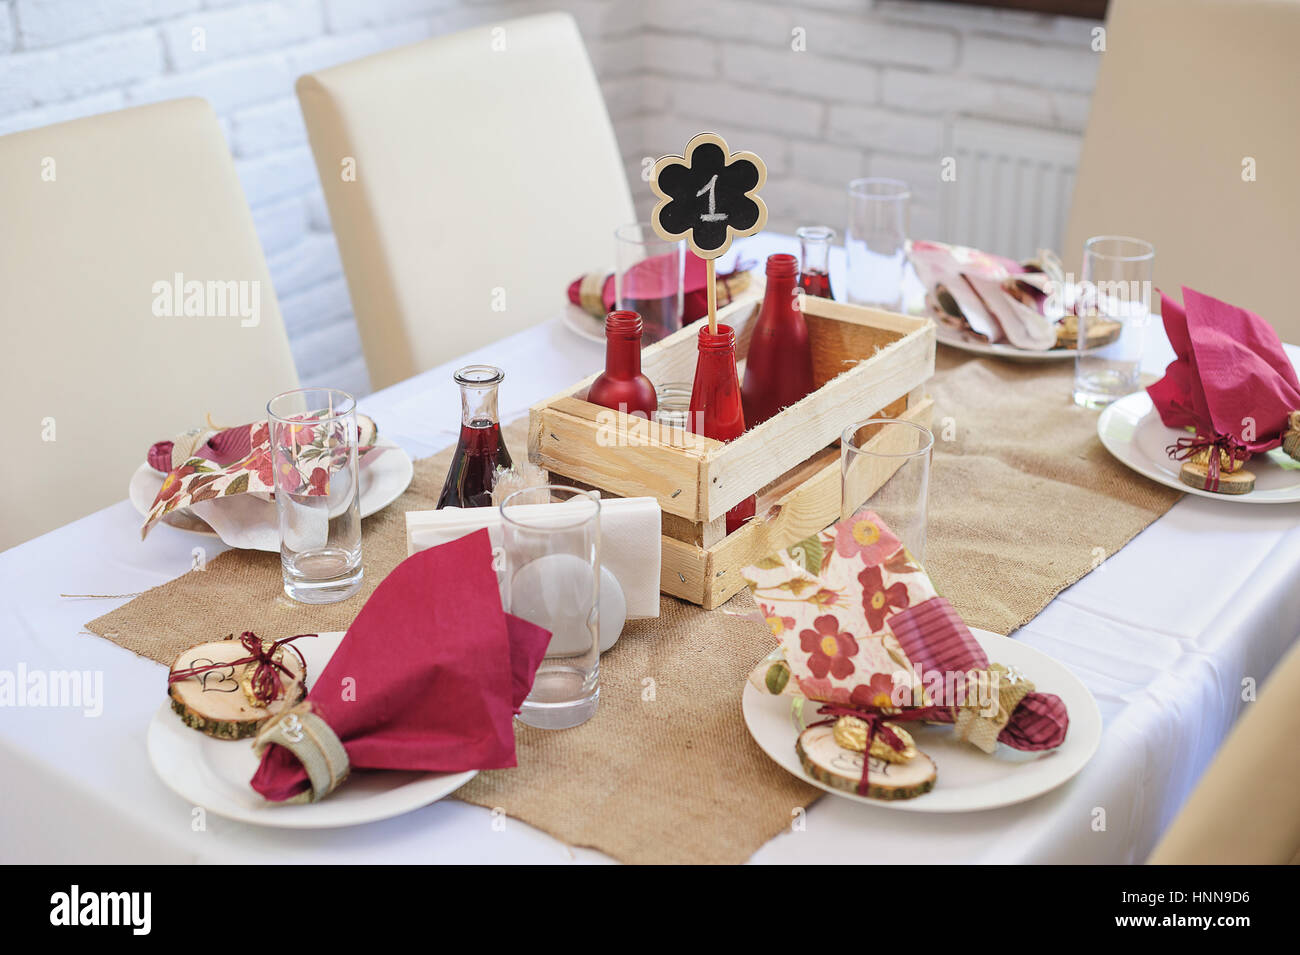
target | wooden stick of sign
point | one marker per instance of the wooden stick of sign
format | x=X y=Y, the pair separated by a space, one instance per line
x=708 y=196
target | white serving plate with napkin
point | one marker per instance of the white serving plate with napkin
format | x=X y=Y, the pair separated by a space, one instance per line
x=249 y=521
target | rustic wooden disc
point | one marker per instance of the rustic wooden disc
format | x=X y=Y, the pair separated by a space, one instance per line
x=1196 y=474
x=828 y=762
x=1100 y=333
x=215 y=702
x=1291 y=437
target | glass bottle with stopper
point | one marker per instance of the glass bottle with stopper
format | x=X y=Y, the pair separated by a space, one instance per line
x=815 y=256
x=621 y=385
x=481 y=449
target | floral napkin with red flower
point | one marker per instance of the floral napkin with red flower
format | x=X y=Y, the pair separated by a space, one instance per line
x=234 y=468
x=860 y=625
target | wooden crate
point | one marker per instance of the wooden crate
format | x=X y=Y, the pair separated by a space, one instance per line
x=866 y=362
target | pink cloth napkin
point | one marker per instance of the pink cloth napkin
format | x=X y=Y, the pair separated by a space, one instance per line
x=1231 y=376
x=429 y=676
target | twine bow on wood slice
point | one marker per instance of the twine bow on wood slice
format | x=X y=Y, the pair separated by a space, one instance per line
x=1223 y=445
x=266 y=681
x=877 y=725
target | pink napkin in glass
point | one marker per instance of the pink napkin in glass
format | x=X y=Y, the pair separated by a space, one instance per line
x=429 y=676
x=1231 y=379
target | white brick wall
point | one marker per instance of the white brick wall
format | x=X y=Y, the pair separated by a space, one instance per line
x=877 y=90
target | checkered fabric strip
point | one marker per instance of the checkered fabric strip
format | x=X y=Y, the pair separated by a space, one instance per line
x=934 y=637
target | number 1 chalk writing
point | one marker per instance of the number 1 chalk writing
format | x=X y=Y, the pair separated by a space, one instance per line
x=712 y=215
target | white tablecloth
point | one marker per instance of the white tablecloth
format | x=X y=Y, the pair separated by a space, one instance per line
x=1163 y=634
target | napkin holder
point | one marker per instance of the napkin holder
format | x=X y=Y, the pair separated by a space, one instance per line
x=630 y=529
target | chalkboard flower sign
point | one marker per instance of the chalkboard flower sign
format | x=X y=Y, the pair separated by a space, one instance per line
x=708 y=195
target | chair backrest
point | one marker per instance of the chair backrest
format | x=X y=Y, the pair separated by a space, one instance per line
x=103 y=223
x=469 y=179
x=1246 y=808
x=1191 y=144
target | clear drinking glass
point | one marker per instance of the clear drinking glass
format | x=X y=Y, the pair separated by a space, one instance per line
x=1116 y=287
x=552 y=578
x=317 y=493
x=648 y=279
x=875 y=241
x=885 y=467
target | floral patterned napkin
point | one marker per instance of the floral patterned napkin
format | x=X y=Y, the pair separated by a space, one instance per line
x=861 y=626
x=207 y=466
x=828 y=600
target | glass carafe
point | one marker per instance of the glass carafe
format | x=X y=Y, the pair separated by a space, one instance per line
x=481 y=449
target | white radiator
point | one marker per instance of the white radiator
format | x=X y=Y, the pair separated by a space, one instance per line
x=1011 y=194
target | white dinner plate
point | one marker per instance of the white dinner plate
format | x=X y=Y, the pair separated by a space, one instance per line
x=1131 y=429
x=215 y=773
x=582 y=323
x=947 y=335
x=968 y=779
x=382 y=482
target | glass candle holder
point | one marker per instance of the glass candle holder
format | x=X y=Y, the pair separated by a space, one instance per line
x=552 y=578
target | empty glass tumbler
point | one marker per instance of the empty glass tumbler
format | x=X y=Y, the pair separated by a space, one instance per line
x=317 y=493
x=1116 y=289
x=885 y=468
x=875 y=242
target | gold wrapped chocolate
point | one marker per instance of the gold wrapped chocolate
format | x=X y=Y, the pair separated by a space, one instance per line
x=851 y=733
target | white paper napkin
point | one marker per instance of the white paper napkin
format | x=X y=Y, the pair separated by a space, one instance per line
x=630 y=547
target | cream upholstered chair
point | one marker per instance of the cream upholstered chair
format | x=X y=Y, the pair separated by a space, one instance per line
x=1246 y=808
x=1191 y=94
x=96 y=213
x=469 y=178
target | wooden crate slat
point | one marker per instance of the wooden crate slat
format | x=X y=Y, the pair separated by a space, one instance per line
x=565 y=444
x=811 y=503
x=761 y=455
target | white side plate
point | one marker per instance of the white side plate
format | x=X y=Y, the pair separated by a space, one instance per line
x=383 y=481
x=215 y=774
x=1132 y=431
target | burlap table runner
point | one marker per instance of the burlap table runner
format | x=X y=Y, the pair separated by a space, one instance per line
x=1023 y=501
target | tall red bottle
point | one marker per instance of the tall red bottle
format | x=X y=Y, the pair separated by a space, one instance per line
x=622 y=386
x=716 y=410
x=778 y=370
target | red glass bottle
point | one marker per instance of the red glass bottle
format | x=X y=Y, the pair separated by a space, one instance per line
x=716 y=410
x=481 y=449
x=622 y=386
x=815 y=259
x=778 y=369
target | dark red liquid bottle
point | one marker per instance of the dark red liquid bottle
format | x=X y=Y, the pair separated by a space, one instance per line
x=481 y=449
x=815 y=253
x=622 y=386
x=716 y=410
x=778 y=369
